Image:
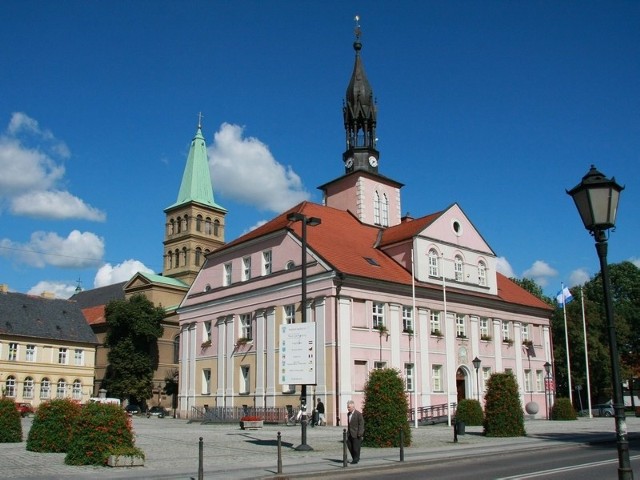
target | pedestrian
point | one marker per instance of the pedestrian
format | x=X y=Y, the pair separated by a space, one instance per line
x=320 y=410
x=355 y=431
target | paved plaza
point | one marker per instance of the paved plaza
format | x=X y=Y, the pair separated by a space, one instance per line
x=171 y=448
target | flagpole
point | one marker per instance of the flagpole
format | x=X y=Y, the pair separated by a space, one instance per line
x=444 y=324
x=415 y=351
x=586 y=353
x=566 y=341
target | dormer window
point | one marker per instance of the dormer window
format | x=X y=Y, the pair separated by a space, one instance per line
x=458 y=267
x=482 y=274
x=434 y=263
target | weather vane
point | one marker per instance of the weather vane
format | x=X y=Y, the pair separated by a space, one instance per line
x=357 y=30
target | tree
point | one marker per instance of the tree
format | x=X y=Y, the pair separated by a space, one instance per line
x=133 y=329
x=533 y=288
x=385 y=410
x=503 y=416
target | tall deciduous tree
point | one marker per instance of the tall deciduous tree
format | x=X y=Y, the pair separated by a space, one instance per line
x=133 y=329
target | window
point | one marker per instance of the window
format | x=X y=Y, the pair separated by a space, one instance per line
x=246 y=269
x=458 y=267
x=78 y=356
x=408 y=376
x=482 y=274
x=384 y=207
x=244 y=379
x=30 y=354
x=27 y=388
x=45 y=388
x=176 y=349
x=486 y=373
x=62 y=356
x=407 y=319
x=527 y=381
x=376 y=208
x=245 y=325
x=227 y=274
x=484 y=329
x=525 y=332
x=208 y=230
x=10 y=386
x=436 y=328
x=539 y=381
x=289 y=314
x=216 y=228
x=505 y=331
x=461 y=327
x=436 y=378
x=76 y=391
x=199 y=223
x=61 y=387
x=13 y=352
x=206 y=334
x=378 y=314
x=198 y=256
x=290 y=265
x=266 y=262
x=360 y=375
x=434 y=264
x=206 y=381
x=379 y=365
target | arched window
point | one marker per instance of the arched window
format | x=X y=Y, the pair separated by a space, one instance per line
x=384 y=207
x=170 y=260
x=76 y=393
x=172 y=227
x=434 y=263
x=199 y=223
x=376 y=208
x=216 y=227
x=27 y=389
x=198 y=256
x=10 y=386
x=186 y=223
x=482 y=273
x=176 y=349
x=45 y=388
x=61 y=388
x=185 y=259
x=458 y=267
x=179 y=222
x=177 y=262
x=207 y=226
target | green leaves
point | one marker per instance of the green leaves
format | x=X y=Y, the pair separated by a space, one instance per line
x=503 y=416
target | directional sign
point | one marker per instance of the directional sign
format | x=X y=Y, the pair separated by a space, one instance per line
x=298 y=354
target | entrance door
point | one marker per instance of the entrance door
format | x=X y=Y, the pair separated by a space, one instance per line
x=461 y=385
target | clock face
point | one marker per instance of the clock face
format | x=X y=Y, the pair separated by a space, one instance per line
x=349 y=162
x=373 y=161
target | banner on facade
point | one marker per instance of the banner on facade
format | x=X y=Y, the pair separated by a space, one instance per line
x=298 y=354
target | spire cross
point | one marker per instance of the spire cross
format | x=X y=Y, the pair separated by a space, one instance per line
x=357 y=30
x=200 y=117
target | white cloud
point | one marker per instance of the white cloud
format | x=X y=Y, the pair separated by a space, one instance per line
x=635 y=261
x=30 y=162
x=540 y=272
x=504 y=267
x=59 y=289
x=56 y=205
x=78 y=250
x=244 y=170
x=578 y=277
x=108 y=274
x=253 y=227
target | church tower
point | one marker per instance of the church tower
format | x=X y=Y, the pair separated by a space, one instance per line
x=195 y=222
x=373 y=198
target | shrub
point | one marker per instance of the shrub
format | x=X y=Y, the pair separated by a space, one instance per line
x=10 y=424
x=101 y=430
x=470 y=412
x=250 y=418
x=563 y=410
x=52 y=426
x=385 y=410
x=503 y=415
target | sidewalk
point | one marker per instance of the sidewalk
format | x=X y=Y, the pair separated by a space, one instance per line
x=171 y=448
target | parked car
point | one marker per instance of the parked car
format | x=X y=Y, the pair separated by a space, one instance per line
x=601 y=410
x=25 y=409
x=157 y=411
x=132 y=409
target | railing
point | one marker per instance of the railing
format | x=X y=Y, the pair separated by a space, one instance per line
x=234 y=414
x=433 y=413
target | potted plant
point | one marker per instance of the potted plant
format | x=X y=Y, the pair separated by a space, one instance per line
x=382 y=329
x=206 y=344
x=508 y=341
x=251 y=422
x=242 y=341
x=486 y=338
x=461 y=335
x=408 y=330
x=527 y=343
x=436 y=333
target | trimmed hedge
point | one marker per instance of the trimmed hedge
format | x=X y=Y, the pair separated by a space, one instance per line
x=469 y=411
x=101 y=430
x=52 y=426
x=503 y=415
x=563 y=410
x=10 y=423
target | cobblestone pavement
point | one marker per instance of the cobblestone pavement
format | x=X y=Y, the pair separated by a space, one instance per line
x=171 y=447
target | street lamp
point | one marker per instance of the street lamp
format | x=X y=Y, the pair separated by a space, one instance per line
x=596 y=198
x=547 y=387
x=476 y=364
x=311 y=221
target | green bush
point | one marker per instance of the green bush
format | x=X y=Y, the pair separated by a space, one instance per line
x=563 y=410
x=385 y=410
x=52 y=426
x=470 y=412
x=101 y=430
x=503 y=415
x=10 y=423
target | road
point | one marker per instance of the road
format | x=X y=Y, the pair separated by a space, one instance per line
x=572 y=462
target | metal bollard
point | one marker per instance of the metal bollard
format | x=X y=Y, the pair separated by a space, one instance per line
x=401 y=445
x=200 y=460
x=344 y=448
x=455 y=432
x=279 y=453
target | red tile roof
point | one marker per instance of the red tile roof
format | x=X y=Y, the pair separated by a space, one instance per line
x=94 y=315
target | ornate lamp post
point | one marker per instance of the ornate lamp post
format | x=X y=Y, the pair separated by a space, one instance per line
x=596 y=198
x=311 y=221
x=547 y=387
x=476 y=364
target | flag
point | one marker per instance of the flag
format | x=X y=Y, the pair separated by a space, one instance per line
x=564 y=296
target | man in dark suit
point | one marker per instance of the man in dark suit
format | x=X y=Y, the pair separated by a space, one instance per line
x=355 y=431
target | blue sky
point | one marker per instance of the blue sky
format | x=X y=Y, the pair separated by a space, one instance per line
x=499 y=106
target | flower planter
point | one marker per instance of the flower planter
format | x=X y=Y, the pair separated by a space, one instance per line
x=125 y=461
x=251 y=424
